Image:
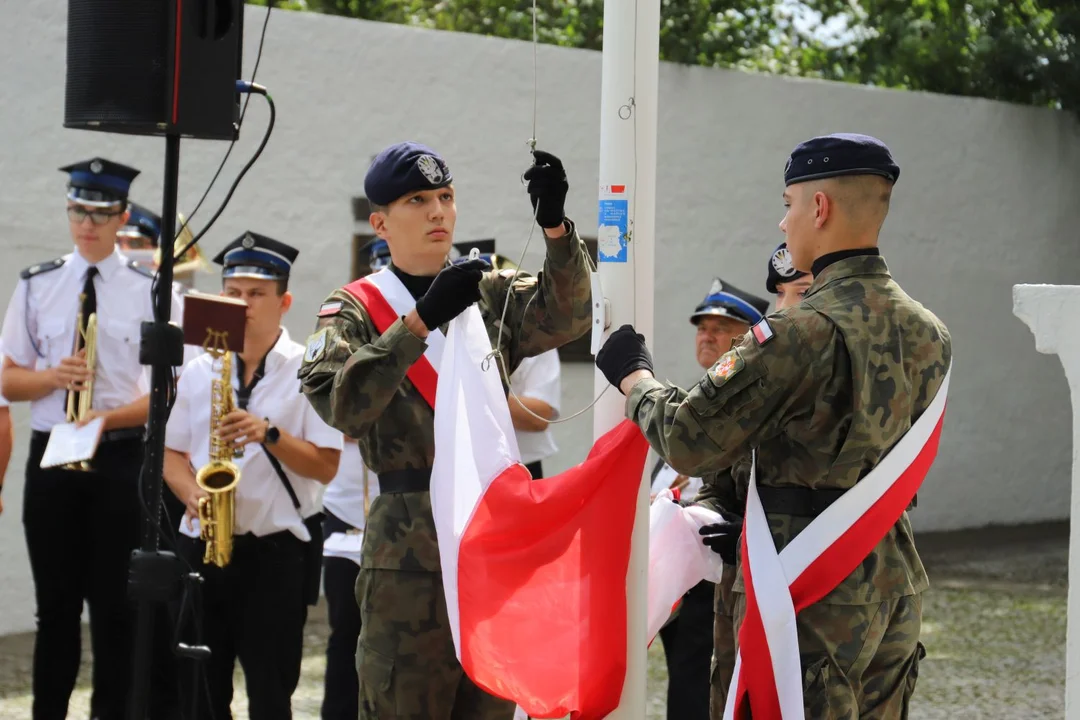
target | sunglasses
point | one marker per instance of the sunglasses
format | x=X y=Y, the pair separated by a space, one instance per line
x=77 y=214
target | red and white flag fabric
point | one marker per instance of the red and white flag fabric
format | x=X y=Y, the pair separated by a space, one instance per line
x=386 y=299
x=534 y=571
x=678 y=559
x=767 y=669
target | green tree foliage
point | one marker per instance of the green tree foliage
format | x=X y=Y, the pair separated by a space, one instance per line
x=1023 y=51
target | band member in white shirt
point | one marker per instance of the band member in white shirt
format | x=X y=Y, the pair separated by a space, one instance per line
x=7 y=440
x=81 y=526
x=345 y=504
x=255 y=606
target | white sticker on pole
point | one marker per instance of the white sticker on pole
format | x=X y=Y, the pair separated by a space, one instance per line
x=611 y=235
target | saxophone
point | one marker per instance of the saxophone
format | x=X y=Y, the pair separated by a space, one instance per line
x=218 y=478
x=80 y=401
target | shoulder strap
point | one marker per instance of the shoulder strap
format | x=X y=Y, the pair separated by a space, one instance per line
x=284 y=478
x=40 y=268
x=141 y=269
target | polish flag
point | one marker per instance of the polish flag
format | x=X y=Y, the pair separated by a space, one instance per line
x=534 y=571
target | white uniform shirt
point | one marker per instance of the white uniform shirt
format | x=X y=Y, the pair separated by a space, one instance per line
x=263 y=506
x=3 y=400
x=42 y=313
x=344 y=497
x=538 y=378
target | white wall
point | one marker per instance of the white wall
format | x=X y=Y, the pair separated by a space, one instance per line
x=986 y=199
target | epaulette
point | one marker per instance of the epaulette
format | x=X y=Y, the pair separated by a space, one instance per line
x=141 y=269
x=521 y=282
x=40 y=268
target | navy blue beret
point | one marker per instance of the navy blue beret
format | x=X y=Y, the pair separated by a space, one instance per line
x=404 y=168
x=840 y=154
x=781 y=269
x=726 y=300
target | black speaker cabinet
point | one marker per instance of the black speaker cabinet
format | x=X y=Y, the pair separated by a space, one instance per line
x=154 y=67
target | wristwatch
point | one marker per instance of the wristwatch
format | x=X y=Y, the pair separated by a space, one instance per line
x=272 y=433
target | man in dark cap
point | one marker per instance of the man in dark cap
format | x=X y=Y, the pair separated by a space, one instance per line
x=253 y=608
x=378 y=254
x=724 y=316
x=820 y=392
x=138 y=239
x=370 y=370
x=82 y=526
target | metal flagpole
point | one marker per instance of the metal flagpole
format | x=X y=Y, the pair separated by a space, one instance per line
x=627 y=224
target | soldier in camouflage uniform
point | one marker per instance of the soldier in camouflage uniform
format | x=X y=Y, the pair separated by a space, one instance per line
x=725 y=492
x=820 y=391
x=724 y=316
x=355 y=378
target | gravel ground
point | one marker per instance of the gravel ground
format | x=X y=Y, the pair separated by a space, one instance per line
x=994 y=627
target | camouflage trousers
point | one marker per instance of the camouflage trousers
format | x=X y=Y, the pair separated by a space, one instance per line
x=859 y=662
x=405 y=654
x=723 y=660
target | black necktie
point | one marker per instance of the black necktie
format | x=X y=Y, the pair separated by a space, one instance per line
x=89 y=303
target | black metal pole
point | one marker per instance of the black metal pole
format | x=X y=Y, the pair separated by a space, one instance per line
x=155 y=437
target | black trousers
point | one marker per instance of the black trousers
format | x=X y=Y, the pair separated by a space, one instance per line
x=688 y=646
x=536 y=469
x=341 y=693
x=80 y=531
x=254 y=610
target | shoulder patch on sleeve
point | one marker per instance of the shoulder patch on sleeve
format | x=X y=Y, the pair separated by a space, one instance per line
x=316 y=345
x=726 y=367
x=40 y=268
x=762 y=332
x=141 y=269
x=330 y=308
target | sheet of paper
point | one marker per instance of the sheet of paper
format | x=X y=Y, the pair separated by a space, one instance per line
x=70 y=444
x=341 y=544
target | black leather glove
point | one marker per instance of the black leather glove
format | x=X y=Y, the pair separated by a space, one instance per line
x=723 y=538
x=623 y=353
x=455 y=288
x=548 y=187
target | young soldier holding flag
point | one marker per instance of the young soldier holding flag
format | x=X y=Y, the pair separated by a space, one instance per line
x=370 y=371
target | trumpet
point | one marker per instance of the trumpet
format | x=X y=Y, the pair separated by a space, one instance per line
x=79 y=402
x=219 y=477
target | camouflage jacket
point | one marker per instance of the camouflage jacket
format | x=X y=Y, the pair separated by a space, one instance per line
x=843 y=377
x=357 y=384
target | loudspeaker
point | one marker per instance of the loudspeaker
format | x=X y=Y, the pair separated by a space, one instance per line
x=154 y=67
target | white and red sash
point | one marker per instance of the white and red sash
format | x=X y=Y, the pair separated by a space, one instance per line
x=767 y=668
x=385 y=298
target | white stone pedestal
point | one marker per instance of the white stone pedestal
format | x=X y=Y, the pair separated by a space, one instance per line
x=1053 y=314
